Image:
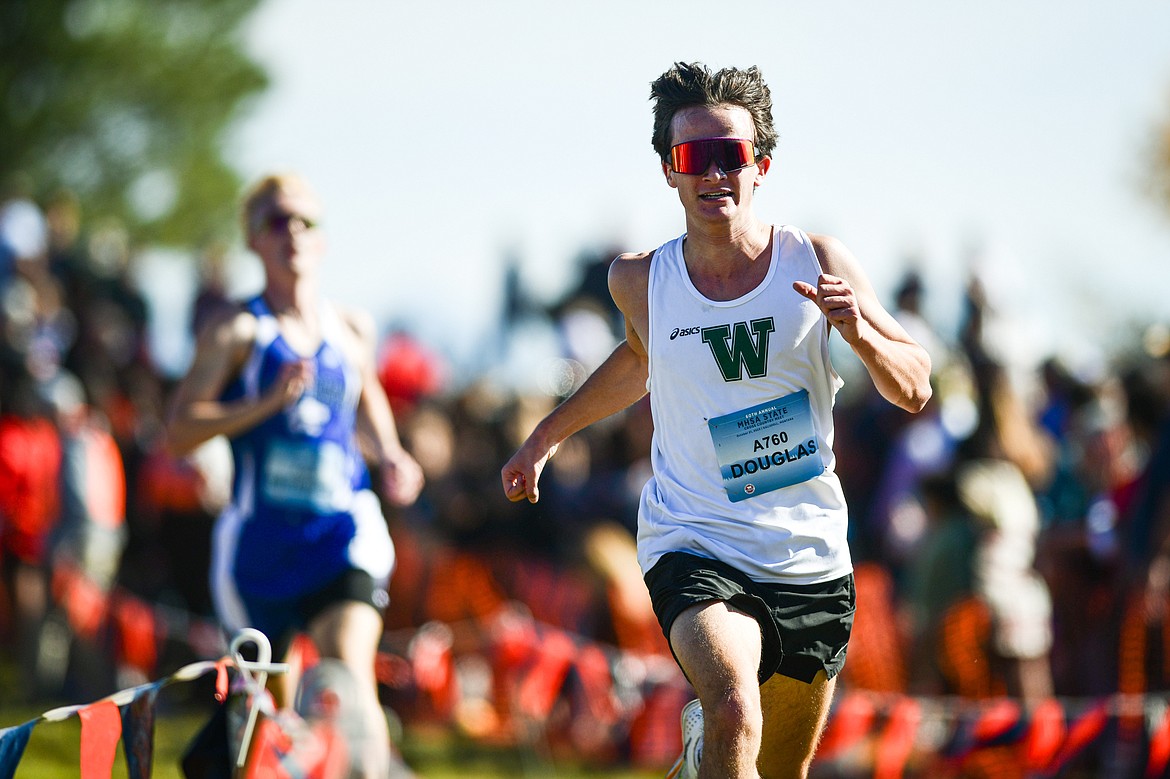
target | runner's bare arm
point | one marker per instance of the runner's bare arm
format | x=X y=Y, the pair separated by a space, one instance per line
x=897 y=364
x=401 y=477
x=196 y=412
x=616 y=384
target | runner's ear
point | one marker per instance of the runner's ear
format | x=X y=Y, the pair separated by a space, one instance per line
x=763 y=165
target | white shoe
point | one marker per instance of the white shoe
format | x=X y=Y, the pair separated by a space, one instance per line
x=687 y=765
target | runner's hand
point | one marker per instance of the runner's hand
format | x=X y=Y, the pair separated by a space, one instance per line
x=521 y=473
x=294 y=380
x=837 y=300
x=402 y=479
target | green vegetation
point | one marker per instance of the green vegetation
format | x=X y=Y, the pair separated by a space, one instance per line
x=1159 y=152
x=53 y=748
x=126 y=105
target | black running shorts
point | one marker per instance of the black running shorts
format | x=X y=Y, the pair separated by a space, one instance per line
x=281 y=619
x=805 y=627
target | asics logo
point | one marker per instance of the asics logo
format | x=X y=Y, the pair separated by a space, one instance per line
x=683 y=331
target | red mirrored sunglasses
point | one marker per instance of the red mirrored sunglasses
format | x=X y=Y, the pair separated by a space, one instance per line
x=695 y=157
x=279 y=222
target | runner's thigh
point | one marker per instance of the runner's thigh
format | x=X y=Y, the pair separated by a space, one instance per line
x=794 y=715
x=718 y=647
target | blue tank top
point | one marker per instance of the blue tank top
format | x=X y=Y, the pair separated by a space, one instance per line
x=298 y=472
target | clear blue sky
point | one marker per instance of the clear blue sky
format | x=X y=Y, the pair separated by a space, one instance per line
x=444 y=135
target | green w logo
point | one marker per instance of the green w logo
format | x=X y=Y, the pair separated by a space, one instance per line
x=735 y=348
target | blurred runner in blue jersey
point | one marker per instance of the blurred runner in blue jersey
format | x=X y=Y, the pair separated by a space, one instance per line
x=291 y=381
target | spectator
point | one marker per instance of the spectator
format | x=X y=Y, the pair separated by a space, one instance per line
x=30 y=467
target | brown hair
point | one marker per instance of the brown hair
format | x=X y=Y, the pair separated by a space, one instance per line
x=693 y=84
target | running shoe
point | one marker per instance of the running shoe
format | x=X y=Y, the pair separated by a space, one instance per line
x=687 y=765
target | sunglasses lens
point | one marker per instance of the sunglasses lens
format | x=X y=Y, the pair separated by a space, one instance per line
x=736 y=154
x=281 y=222
x=692 y=157
x=695 y=157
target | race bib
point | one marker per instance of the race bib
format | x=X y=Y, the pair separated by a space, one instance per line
x=766 y=447
x=313 y=476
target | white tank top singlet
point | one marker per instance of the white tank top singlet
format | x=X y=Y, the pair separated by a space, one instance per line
x=741 y=393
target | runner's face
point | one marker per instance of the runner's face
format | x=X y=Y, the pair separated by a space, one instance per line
x=286 y=233
x=715 y=194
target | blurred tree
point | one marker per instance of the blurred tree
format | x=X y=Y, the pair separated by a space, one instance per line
x=127 y=103
x=1160 y=159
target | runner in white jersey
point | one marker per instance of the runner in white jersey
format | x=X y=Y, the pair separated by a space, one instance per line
x=742 y=527
x=291 y=382
x=741 y=393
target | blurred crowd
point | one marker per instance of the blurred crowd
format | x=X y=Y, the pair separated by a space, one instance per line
x=1014 y=538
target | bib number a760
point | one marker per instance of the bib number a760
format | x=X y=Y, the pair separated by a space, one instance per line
x=770 y=441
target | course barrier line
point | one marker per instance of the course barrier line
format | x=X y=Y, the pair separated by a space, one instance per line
x=126 y=714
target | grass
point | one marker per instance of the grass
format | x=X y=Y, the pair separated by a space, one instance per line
x=439 y=756
x=53 y=747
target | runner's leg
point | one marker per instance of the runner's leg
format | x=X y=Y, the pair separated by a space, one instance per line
x=351 y=632
x=794 y=717
x=718 y=647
